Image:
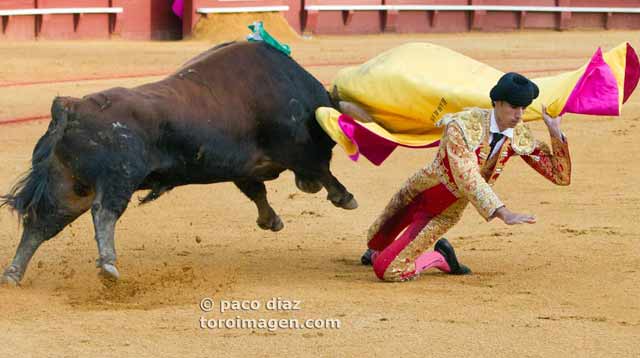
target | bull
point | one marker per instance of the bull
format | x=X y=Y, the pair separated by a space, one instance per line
x=239 y=112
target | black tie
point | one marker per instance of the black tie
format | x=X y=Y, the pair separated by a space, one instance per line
x=494 y=140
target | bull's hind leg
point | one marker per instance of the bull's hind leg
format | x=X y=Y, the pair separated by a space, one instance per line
x=34 y=234
x=29 y=243
x=256 y=191
x=58 y=206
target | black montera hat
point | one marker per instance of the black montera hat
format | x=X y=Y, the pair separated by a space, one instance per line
x=515 y=89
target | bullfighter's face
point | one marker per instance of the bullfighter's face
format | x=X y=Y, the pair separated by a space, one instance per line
x=507 y=114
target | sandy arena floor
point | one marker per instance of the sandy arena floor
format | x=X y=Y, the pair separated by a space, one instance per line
x=567 y=286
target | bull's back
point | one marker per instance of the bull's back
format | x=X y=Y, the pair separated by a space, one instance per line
x=232 y=89
x=249 y=78
x=213 y=119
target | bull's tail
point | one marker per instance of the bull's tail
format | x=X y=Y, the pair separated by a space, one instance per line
x=30 y=194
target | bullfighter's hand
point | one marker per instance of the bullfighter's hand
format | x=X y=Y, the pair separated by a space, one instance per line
x=553 y=123
x=511 y=218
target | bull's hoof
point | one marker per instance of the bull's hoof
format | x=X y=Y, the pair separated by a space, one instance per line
x=350 y=205
x=109 y=274
x=347 y=202
x=274 y=223
x=9 y=281
x=308 y=186
x=10 y=277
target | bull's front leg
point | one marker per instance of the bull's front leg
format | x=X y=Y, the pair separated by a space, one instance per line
x=257 y=192
x=337 y=193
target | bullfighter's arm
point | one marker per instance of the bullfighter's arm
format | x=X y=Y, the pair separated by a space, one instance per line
x=466 y=173
x=555 y=163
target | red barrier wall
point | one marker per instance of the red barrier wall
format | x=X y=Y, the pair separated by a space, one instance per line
x=507 y=21
x=147 y=20
x=368 y=22
x=72 y=26
x=140 y=20
x=427 y=21
x=617 y=21
x=18 y=27
x=344 y=22
x=295 y=14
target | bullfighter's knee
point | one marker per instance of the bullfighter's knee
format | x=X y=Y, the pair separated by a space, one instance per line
x=395 y=271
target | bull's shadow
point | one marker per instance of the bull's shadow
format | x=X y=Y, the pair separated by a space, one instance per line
x=240 y=112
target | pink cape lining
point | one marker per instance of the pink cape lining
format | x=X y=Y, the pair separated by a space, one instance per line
x=596 y=91
x=631 y=73
x=375 y=148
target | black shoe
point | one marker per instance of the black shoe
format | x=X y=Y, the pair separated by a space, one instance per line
x=366 y=257
x=444 y=247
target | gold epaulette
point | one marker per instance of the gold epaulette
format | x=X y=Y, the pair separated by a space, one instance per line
x=523 y=141
x=473 y=122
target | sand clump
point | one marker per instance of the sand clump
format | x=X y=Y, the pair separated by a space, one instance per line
x=232 y=27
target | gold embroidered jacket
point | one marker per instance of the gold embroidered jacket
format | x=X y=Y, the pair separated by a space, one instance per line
x=462 y=163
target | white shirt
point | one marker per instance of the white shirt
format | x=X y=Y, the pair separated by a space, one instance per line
x=493 y=128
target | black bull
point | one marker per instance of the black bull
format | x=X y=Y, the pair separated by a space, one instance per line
x=240 y=112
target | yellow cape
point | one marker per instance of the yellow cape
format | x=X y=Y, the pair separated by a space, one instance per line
x=407 y=89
